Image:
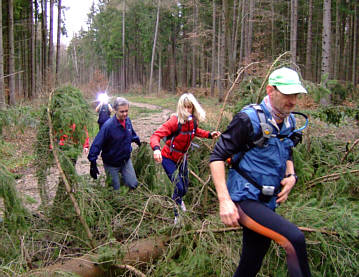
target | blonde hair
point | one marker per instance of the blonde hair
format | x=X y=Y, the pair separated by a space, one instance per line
x=185 y=100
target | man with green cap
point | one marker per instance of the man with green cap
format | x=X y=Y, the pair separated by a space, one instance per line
x=259 y=143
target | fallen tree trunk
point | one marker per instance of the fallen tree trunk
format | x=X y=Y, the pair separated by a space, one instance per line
x=140 y=251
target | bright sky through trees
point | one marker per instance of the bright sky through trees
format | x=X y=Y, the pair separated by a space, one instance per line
x=75 y=17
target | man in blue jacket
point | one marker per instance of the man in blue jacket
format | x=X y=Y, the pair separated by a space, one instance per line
x=260 y=139
x=114 y=140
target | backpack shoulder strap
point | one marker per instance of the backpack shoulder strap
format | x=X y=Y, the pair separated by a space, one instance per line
x=266 y=130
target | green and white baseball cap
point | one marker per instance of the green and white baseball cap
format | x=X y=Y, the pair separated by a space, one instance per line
x=286 y=80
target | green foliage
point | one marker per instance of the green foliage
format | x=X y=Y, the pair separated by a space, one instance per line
x=336 y=114
x=144 y=165
x=18 y=118
x=15 y=213
x=247 y=93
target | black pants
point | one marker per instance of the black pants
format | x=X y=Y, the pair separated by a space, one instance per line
x=260 y=226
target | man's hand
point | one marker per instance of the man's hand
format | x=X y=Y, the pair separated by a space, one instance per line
x=157 y=155
x=94 y=170
x=138 y=142
x=215 y=134
x=228 y=212
x=287 y=184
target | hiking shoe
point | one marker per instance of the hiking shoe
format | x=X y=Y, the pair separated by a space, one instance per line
x=183 y=207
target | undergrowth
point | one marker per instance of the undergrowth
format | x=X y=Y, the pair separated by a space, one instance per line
x=323 y=203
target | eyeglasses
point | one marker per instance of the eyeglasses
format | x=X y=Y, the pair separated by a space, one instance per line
x=125 y=111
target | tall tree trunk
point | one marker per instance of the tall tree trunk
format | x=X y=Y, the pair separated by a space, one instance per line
x=213 y=66
x=195 y=43
x=44 y=40
x=154 y=45
x=58 y=41
x=11 y=54
x=235 y=37
x=2 y=83
x=308 y=56
x=326 y=39
x=249 y=35
x=293 y=30
x=159 y=72
x=355 y=33
x=337 y=59
x=242 y=47
x=31 y=51
x=51 y=44
x=221 y=50
x=123 y=61
x=272 y=28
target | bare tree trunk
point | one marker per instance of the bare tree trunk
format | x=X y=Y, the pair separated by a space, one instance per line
x=194 y=44
x=2 y=84
x=250 y=30
x=11 y=54
x=44 y=39
x=308 y=57
x=235 y=37
x=123 y=61
x=242 y=47
x=337 y=59
x=213 y=66
x=355 y=32
x=272 y=28
x=159 y=72
x=220 y=58
x=326 y=39
x=293 y=30
x=31 y=51
x=58 y=46
x=154 y=45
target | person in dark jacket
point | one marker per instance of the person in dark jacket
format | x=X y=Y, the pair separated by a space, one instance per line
x=182 y=126
x=114 y=140
x=103 y=109
x=262 y=175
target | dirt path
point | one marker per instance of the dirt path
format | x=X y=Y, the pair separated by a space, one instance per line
x=27 y=185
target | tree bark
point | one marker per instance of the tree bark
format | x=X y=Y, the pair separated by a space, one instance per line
x=44 y=40
x=58 y=41
x=293 y=30
x=11 y=74
x=326 y=39
x=31 y=55
x=355 y=33
x=154 y=45
x=308 y=56
x=213 y=66
x=123 y=61
x=2 y=79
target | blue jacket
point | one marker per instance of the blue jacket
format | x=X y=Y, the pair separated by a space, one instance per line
x=265 y=165
x=114 y=141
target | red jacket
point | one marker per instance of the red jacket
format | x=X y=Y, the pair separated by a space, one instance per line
x=181 y=142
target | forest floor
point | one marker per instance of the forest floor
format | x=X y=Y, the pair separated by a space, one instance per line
x=144 y=126
x=27 y=185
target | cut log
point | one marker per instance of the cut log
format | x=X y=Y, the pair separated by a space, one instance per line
x=140 y=251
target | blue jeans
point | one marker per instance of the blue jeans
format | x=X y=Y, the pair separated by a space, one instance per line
x=127 y=171
x=179 y=178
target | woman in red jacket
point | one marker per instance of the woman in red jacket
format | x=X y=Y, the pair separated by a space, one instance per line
x=178 y=133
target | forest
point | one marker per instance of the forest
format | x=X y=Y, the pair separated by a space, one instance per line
x=57 y=221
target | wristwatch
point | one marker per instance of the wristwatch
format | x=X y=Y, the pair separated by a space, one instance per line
x=292 y=174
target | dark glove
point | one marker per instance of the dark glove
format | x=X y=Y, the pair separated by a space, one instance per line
x=94 y=170
x=138 y=142
x=296 y=137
